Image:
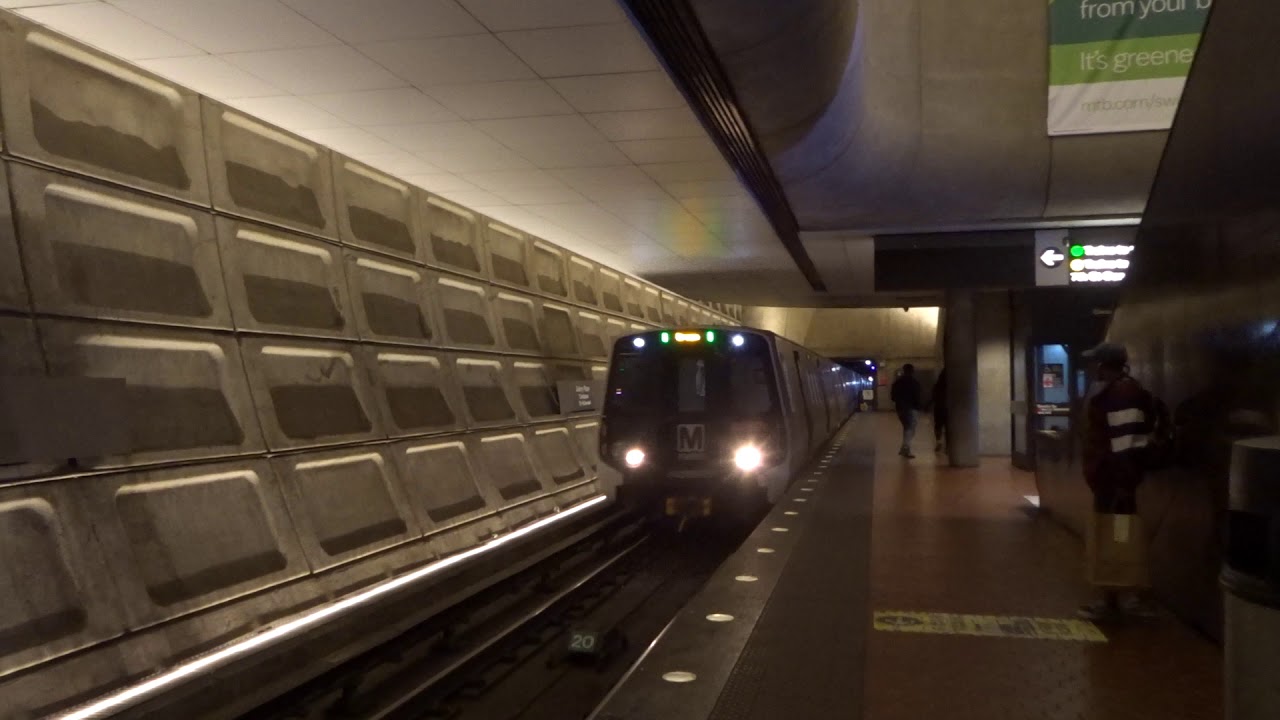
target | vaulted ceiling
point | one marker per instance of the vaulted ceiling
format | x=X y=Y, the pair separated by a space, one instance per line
x=553 y=116
x=573 y=121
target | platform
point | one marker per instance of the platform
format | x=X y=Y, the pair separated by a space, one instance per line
x=883 y=588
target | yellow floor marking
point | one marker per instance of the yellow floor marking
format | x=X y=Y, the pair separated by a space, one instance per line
x=988 y=626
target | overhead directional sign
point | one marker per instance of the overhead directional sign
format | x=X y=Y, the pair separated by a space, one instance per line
x=1052 y=257
x=1063 y=260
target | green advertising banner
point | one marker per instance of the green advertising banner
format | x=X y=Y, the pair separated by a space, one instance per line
x=1119 y=65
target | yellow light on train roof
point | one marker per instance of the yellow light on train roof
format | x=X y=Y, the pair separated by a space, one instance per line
x=688 y=337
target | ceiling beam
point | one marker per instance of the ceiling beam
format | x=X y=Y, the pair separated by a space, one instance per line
x=677 y=38
x=1069 y=223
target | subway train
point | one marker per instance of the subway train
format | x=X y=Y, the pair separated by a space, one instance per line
x=715 y=420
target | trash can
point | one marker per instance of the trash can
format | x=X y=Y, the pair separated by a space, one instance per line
x=1251 y=582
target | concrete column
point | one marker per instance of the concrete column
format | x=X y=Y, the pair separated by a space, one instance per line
x=960 y=357
x=994 y=373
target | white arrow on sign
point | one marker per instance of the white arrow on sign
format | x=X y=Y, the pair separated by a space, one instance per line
x=1052 y=258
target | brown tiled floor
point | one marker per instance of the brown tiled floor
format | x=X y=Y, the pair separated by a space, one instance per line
x=963 y=541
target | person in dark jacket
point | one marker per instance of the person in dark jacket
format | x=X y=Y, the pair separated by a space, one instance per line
x=939 y=402
x=905 y=394
x=1118 y=424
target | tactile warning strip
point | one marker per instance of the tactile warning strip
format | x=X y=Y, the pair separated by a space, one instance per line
x=1006 y=626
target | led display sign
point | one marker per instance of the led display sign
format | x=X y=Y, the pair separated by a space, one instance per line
x=1098 y=263
x=1061 y=259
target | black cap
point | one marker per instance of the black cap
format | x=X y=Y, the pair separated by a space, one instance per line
x=1109 y=354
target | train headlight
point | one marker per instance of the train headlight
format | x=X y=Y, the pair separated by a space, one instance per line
x=634 y=458
x=748 y=458
x=738 y=340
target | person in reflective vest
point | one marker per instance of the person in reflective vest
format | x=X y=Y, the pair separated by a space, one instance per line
x=1118 y=427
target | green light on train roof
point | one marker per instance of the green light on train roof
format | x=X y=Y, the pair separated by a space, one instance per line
x=666 y=338
x=711 y=336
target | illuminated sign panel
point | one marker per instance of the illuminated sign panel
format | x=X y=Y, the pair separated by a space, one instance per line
x=1098 y=263
x=1063 y=260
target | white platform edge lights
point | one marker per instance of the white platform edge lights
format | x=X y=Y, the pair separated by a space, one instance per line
x=149 y=688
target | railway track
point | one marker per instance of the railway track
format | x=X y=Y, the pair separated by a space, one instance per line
x=547 y=643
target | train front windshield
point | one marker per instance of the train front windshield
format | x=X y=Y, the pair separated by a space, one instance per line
x=683 y=381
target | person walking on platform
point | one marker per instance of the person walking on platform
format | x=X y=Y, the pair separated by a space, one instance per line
x=905 y=394
x=1120 y=424
x=939 y=402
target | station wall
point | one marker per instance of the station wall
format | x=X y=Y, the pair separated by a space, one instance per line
x=323 y=375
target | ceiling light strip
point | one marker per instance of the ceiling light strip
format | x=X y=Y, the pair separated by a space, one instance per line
x=148 y=689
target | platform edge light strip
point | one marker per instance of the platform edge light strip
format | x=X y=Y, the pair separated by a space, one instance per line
x=129 y=696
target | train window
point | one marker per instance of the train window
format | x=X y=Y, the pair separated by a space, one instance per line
x=749 y=380
x=637 y=383
x=692 y=381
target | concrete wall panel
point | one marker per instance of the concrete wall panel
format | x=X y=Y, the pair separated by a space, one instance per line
x=186 y=393
x=416 y=391
x=487 y=392
x=346 y=504
x=455 y=237
x=79 y=676
x=517 y=319
x=19 y=347
x=344 y=580
x=667 y=309
x=587 y=436
x=508 y=250
x=550 y=274
x=392 y=301
x=614 y=329
x=13 y=287
x=573 y=494
x=635 y=299
x=465 y=314
x=20 y=355
x=684 y=313
x=182 y=539
x=592 y=335
x=559 y=336
x=653 y=306
x=612 y=292
x=282 y=282
x=267 y=174
x=536 y=389
x=377 y=211
x=506 y=461
x=584 y=281
x=311 y=393
x=555 y=449
x=91 y=250
x=441 y=482
x=56 y=594
x=71 y=106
